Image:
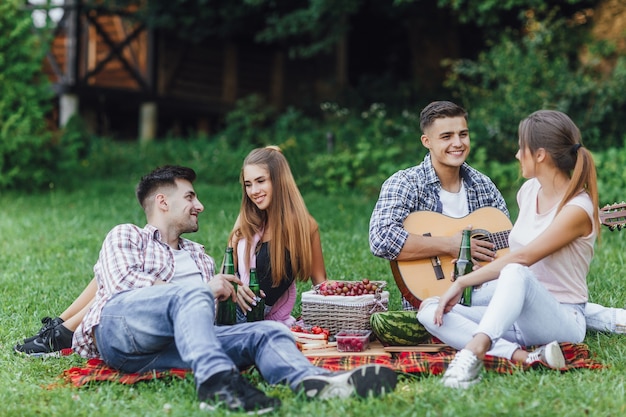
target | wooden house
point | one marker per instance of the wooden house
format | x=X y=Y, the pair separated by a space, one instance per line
x=127 y=80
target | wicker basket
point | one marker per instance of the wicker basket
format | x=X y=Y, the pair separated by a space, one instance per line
x=336 y=313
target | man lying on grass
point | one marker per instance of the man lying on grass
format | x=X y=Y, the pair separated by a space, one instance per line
x=155 y=309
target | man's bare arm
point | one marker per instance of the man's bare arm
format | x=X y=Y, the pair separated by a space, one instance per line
x=423 y=247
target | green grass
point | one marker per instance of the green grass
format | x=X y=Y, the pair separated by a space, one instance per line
x=51 y=240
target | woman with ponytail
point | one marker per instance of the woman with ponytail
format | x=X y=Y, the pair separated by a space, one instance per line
x=275 y=234
x=541 y=289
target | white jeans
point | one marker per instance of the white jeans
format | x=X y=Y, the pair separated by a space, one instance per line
x=598 y=317
x=521 y=312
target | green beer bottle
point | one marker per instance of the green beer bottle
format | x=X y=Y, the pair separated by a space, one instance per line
x=227 y=309
x=258 y=311
x=464 y=265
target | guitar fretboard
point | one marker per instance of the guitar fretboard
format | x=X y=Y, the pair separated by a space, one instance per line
x=500 y=239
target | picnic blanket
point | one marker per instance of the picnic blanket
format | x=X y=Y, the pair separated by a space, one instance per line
x=416 y=363
x=577 y=355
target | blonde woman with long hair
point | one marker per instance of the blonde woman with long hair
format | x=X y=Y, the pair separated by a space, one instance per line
x=275 y=234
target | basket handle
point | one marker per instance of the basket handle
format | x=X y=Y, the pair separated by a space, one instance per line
x=378 y=304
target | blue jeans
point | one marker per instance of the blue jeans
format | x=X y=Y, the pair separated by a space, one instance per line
x=521 y=312
x=171 y=326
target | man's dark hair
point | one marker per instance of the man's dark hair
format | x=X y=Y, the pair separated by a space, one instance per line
x=439 y=110
x=165 y=175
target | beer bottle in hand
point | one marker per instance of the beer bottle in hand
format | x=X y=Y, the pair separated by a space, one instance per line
x=227 y=309
x=464 y=265
x=258 y=311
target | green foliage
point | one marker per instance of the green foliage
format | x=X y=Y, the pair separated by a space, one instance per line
x=611 y=175
x=307 y=28
x=344 y=150
x=367 y=148
x=505 y=175
x=248 y=120
x=194 y=20
x=542 y=69
x=310 y=28
x=214 y=160
x=25 y=148
x=71 y=145
x=351 y=150
x=32 y=155
x=490 y=12
x=341 y=152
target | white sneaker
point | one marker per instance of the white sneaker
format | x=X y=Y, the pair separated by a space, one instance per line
x=374 y=380
x=620 y=321
x=463 y=371
x=549 y=354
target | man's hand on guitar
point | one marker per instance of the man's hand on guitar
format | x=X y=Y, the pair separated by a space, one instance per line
x=483 y=251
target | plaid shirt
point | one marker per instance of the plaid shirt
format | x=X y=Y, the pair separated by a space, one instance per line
x=131 y=258
x=418 y=188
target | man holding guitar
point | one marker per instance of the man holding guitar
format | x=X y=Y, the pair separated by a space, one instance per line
x=443 y=183
x=421 y=211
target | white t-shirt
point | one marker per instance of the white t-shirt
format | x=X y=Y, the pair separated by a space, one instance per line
x=454 y=204
x=186 y=269
x=564 y=273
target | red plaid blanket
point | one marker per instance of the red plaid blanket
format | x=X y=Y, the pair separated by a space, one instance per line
x=576 y=356
x=97 y=370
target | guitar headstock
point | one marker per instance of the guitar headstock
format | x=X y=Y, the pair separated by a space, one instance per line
x=613 y=216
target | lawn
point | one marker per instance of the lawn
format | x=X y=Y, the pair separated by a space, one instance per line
x=51 y=240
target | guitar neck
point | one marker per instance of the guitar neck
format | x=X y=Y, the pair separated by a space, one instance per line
x=613 y=216
x=501 y=239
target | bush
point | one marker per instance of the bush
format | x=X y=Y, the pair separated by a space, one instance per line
x=213 y=160
x=25 y=146
x=540 y=70
x=367 y=147
x=346 y=149
x=611 y=175
x=247 y=123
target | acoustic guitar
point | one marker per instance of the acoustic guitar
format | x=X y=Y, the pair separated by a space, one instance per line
x=420 y=279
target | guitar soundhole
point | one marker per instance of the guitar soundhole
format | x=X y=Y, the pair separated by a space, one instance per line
x=481 y=235
x=499 y=239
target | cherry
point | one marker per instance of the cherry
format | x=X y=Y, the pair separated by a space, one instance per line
x=348 y=288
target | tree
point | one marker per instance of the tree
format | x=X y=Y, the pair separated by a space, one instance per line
x=541 y=68
x=25 y=97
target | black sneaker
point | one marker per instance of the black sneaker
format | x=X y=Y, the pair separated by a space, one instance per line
x=50 y=343
x=231 y=390
x=366 y=380
x=48 y=323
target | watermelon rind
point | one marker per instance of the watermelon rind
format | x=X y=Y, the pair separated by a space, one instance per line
x=398 y=328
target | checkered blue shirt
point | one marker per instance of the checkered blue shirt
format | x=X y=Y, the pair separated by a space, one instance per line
x=417 y=189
